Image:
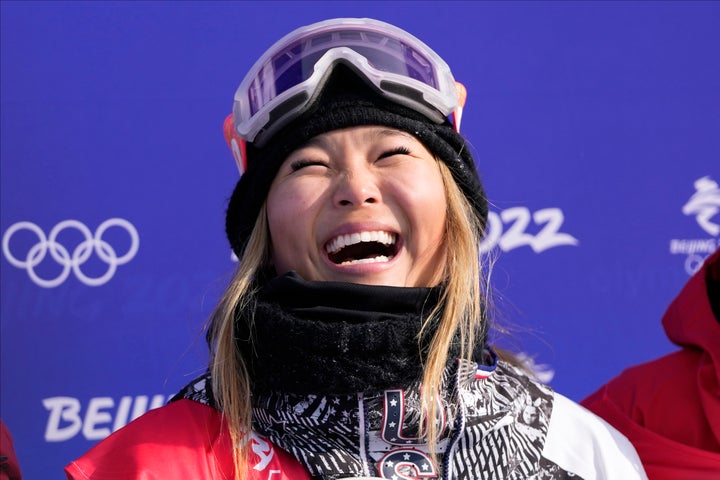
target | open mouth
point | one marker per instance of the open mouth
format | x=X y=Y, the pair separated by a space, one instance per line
x=362 y=247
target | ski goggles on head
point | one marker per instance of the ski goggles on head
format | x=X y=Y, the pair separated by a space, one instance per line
x=289 y=76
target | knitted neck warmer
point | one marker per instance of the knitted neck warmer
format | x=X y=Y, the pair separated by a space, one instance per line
x=335 y=338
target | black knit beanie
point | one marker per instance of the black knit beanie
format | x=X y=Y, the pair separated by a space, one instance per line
x=346 y=101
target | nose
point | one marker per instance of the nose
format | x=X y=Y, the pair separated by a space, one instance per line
x=355 y=187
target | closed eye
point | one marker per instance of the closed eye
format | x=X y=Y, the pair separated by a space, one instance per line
x=300 y=164
x=401 y=150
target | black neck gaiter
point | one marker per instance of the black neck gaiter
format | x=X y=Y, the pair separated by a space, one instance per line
x=335 y=338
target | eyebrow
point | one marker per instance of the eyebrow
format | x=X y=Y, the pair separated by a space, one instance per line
x=372 y=135
x=316 y=141
x=390 y=132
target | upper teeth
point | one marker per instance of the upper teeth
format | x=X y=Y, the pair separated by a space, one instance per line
x=342 y=241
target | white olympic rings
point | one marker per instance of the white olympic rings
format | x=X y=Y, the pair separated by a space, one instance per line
x=81 y=253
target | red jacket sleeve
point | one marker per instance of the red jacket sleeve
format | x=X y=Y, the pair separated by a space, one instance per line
x=9 y=465
x=655 y=408
x=183 y=439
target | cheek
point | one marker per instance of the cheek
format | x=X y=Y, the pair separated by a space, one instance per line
x=290 y=216
x=427 y=211
x=282 y=224
x=429 y=206
x=439 y=202
x=293 y=204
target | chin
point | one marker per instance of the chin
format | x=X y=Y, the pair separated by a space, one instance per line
x=376 y=280
x=385 y=281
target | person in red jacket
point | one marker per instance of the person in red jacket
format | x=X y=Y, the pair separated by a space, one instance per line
x=9 y=465
x=669 y=408
x=183 y=439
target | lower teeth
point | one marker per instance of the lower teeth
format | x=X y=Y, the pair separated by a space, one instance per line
x=380 y=259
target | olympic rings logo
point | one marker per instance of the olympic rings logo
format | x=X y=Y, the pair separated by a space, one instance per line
x=80 y=254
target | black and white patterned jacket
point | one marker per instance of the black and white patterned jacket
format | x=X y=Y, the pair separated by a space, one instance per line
x=497 y=422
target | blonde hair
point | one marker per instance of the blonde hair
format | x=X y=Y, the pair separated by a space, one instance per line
x=460 y=311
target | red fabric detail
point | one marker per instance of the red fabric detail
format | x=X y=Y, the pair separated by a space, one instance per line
x=669 y=408
x=183 y=439
x=662 y=458
x=9 y=465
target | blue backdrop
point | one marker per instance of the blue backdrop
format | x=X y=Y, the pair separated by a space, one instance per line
x=596 y=127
